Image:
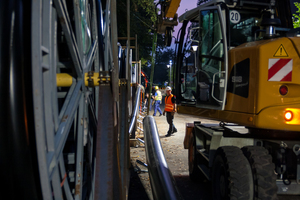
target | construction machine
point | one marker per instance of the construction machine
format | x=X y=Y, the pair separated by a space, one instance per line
x=167 y=19
x=238 y=62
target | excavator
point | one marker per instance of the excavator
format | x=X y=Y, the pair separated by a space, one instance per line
x=238 y=62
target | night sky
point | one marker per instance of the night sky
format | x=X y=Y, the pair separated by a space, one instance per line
x=293 y=7
x=190 y=4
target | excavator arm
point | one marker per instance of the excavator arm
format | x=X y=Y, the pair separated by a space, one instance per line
x=167 y=18
x=172 y=8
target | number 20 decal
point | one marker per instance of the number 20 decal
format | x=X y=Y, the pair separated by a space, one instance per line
x=235 y=16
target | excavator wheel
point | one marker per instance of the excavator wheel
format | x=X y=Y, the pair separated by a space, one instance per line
x=264 y=178
x=231 y=175
x=194 y=172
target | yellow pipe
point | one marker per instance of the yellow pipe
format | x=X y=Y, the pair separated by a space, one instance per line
x=90 y=80
x=64 y=80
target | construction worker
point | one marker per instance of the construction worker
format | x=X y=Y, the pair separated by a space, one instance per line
x=145 y=107
x=157 y=98
x=170 y=109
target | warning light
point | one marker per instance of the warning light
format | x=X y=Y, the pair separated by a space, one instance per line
x=283 y=90
x=288 y=115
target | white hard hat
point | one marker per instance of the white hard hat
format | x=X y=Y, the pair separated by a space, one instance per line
x=168 y=88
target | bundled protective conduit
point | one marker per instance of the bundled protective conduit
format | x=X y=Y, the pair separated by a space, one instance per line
x=135 y=109
x=162 y=182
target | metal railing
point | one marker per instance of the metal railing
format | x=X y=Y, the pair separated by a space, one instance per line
x=162 y=182
x=135 y=109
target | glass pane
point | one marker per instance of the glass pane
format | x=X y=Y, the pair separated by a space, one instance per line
x=245 y=29
x=189 y=79
x=211 y=33
x=210 y=77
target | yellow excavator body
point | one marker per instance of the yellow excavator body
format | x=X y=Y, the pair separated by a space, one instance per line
x=273 y=64
x=172 y=8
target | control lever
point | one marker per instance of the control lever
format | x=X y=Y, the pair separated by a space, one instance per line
x=281 y=166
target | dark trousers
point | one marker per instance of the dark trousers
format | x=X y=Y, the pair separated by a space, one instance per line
x=150 y=104
x=170 y=118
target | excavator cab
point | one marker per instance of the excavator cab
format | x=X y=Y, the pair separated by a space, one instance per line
x=217 y=27
x=212 y=65
x=238 y=63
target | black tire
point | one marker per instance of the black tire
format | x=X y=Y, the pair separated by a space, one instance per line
x=231 y=175
x=17 y=154
x=194 y=172
x=264 y=178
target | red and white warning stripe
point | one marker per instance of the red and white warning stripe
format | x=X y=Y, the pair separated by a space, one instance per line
x=280 y=70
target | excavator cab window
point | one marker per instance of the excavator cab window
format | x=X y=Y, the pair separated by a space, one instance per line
x=244 y=26
x=205 y=70
x=212 y=65
x=188 y=79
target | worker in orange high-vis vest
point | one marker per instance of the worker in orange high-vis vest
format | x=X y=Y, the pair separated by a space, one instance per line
x=170 y=109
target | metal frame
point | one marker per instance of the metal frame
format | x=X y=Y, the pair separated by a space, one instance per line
x=65 y=126
x=63 y=141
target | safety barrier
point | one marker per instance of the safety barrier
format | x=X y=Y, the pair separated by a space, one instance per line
x=162 y=181
x=135 y=109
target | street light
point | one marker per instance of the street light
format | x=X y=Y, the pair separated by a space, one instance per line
x=194 y=46
x=169 y=66
x=170 y=70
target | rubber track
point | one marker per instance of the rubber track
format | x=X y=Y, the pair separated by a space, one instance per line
x=238 y=173
x=264 y=178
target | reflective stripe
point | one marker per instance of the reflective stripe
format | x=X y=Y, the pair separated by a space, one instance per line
x=169 y=105
x=158 y=97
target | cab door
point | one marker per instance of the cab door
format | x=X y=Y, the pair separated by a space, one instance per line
x=213 y=59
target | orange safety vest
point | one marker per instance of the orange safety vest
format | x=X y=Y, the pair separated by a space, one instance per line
x=169 y=105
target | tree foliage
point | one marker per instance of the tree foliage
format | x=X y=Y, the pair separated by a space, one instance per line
x=161 y=71
x=142 y=18
x=296 y=19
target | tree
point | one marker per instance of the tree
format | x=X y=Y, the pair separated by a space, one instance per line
x=296 y=18
x=161 y=71
x=142 y=18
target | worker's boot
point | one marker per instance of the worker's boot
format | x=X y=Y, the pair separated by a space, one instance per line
x=168 y=134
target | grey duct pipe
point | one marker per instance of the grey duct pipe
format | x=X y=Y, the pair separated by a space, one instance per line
x=135 y=109
x=162 y=182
